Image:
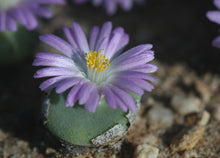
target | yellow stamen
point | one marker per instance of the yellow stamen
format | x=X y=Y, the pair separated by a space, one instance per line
x=96 y=61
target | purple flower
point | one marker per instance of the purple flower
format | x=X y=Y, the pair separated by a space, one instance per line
x=111 y=5
x=24 y=12
x=96 y=68
x=214 y=16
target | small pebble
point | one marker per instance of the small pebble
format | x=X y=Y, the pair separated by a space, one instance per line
x=22 y=144
x=50 y=151
x=159 y=116
x=217 y=113
x=204 y=90
x=151 y=139
x=215 y=83
x=185 y=105
x=190 y=154
x=189 y=79
x=187 y=138
x=204 y=118
x=146 y=151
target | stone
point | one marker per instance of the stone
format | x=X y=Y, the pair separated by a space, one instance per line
x=201 y=118
x=50 y=150
x=204 y=90
x=185 y=105
x=216 y=113
x=151 y=139
x=113 y=133
x=146 y=151
x=187 y=138
x=204 y=118
x=159 y=116
x=190 y=154
x=188 y=80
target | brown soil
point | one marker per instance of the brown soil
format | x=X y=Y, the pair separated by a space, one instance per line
x=188 y=66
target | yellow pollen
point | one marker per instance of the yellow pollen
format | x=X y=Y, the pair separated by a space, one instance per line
x=96 y=61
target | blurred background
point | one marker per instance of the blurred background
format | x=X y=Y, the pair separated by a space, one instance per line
x=189 y=66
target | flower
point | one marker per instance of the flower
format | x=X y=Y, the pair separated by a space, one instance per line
x=214 y=16
x=23 y=11
x=96 y=68
x=111 y=5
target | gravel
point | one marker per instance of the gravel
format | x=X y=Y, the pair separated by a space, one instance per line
x=187 y=84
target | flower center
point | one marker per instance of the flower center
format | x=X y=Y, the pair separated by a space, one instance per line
x=6 y=4
x=96 y=61
x=97 y=65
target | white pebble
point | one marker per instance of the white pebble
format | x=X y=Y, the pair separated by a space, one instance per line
x=185 y=105
x=146 y=151
x=217 y=113
x=159 y=116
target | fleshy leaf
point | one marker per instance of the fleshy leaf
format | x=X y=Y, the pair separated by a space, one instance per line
x=76 y=125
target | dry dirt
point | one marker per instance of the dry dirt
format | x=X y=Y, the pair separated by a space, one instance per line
x=188 y=75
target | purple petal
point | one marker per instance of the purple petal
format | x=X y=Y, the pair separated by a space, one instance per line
x=102 y=45
x=125 y=98
x=109 y=97
x=57 y=43
x=69 y=35
x=133 y=52
x=121 y=44
x=146 y=68
x=138 y=50
x=217 y=3
x=3 y=21
x=126 y=5
x=53 y=71
x=93 y=37
x=85 y=92
x=46 y=55
x=53 y=59
x=133 y=62
x=120 y=103
x=72 y=95
x=11 y=24
x=143 y=84
x=66 y=84
x=19 y=15
x=80 y=37
x=25 y=17
x=31 y=21
x=51 y=83
x=93 y=101
x=50 y=1
x=214 y=16
x=216 y=42
x=128 y=85
x=41 y=11
x=148 y=53
x=103 y=34
x=56 y=63
x=110 y=6
x=113 y=45
x=135 y=74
